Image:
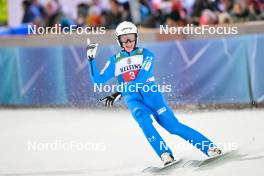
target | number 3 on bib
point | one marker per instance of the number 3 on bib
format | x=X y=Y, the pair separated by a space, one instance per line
x=130 y=76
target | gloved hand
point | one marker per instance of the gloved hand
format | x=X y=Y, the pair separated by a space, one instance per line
x=91 y=49
x=109 y=100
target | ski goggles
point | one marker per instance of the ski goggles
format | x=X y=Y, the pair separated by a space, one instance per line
x=127 y=37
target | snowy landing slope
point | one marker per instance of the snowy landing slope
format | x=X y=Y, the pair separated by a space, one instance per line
x=95 y=143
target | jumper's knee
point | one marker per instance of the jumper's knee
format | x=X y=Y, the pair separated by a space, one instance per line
x=142 y=117
x=170 y=122
x=174 y=128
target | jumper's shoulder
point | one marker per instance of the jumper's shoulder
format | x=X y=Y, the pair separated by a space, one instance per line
x=118 y=56
x=147 y=52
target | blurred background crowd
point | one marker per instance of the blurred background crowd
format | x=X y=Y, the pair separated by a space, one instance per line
x=146 y=13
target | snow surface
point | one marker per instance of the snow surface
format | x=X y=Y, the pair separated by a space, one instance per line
x=116 y=145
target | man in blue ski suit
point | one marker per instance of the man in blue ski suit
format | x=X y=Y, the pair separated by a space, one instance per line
x=134 y=66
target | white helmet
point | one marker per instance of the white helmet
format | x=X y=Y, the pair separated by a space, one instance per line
x=126 y=27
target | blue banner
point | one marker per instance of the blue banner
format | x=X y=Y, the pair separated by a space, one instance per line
x=255 y=55
x=204 y=71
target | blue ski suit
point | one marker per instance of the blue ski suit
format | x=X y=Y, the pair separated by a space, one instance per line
x=134 y=68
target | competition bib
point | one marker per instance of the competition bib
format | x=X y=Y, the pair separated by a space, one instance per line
x=129 y=67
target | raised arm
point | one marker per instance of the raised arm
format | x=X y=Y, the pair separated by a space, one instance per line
x=106 y=73
x=108 y=70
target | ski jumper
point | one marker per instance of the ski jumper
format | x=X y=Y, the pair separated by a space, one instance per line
x=137 y=67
